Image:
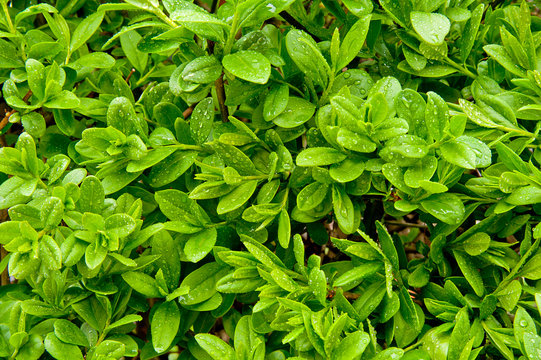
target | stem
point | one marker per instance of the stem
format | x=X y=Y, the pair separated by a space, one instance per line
x=129 y=75
x=165 y=18
x=325 y=94
x=220 y=94
x=223 y=223
x=214 y=6
x=188 y=147
x=462 y=69
x=398 y=223
x=411 y=347
x=4 y=277
x=290 y=86
x=292 y=21
x=232 y=33
x=8 y=18
x=464 y=197
x=143 y=79
x=187 y=112
x=5 y=120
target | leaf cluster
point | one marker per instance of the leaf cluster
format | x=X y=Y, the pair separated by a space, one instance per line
x=270 y=179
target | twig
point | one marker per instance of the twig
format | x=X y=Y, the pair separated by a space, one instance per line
x=129 y=75
x=220 y=93
x=351 y=296
x=187 y=112
x=4 y=278
x=292 y=21
x=392 y=222
x=203 y=5
x=5 y=120
x=214 y=6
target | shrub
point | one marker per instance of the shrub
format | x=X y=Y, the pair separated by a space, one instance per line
x=270 y=179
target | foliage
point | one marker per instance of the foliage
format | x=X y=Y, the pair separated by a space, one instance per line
x=271 y=179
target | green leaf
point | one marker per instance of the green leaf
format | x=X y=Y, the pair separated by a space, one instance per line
x=85 y=30
x=33 y=10
x=387 y=245
x=470 y=272
x=60 y=350
x=52 y=210
x=404 y=150
x=470 y=32
x=50 y=253
x=69 y=333
x=353 y=41
x=284 y=228
x=307 y=56
x=276 y=101
x=312 y=195
x=532 y=268
x=347 y=170
x=359 y=7
x=248 y=65
x=262 y=253
x=511 y=160
x=215 y=347
x=176 y=205
x=500 y=54
x=8 y=56
x=319 y=156
x=201 y=120
x=202 y=70
x=36 y=78
x=129 y=41
x=200 y=244
x=353 y=277
x=64 y=100
x=460 y=334
x=458 y=154
x=356 y=142
x=98 y=60
x=142 y=283
x=254 y=12
x=92 y=195
x=436 y=116
x=431 y=27
x=477 y=244
x=416 y=61
x=351 y=346
x=164 y=325
x=34 y=124
x=65 y=120
x=445 y=207
x=95 y=254
x=237 y=197
x=171 y=168
x=120 y=225
x=201 y=23
x=202 y=283
x=399 y=10
x=525 y=195
x=297 y=112
x=121 y=115
x=423 y=170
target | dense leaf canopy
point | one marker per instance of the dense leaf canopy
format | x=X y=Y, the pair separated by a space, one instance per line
x=270 y=179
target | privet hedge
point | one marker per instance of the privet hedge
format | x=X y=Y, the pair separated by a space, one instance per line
x=270 y=179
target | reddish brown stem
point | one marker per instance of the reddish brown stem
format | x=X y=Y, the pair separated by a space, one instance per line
x=5 y=120
x=220 y=93
x=187 y=112
x=129 y=75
